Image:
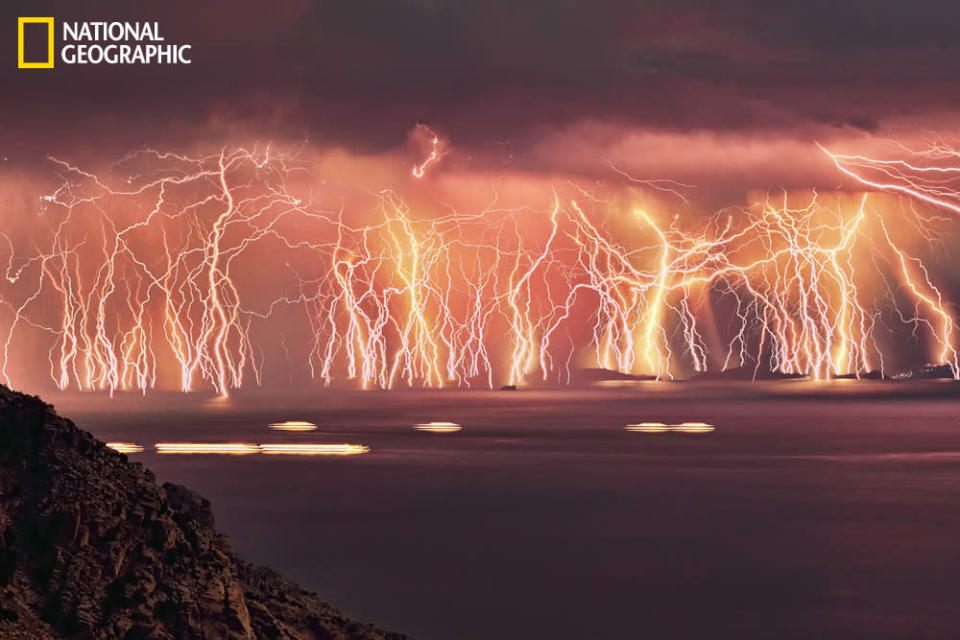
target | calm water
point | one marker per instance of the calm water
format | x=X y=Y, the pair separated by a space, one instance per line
x=811 y=512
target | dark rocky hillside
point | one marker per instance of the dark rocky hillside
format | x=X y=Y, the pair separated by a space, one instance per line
x=92 y=547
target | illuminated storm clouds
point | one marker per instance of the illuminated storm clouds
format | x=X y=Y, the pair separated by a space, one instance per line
x=646 y=195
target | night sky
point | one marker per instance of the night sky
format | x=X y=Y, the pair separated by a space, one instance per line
x=361 y=73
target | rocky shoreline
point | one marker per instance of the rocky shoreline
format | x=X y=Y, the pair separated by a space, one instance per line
x=92 y=547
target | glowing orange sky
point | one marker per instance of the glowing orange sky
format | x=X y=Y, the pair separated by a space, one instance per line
x=682 y=109
x=430 y=265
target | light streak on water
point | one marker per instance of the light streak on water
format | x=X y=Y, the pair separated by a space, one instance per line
x=125 y=447
x=221 y=448
x=660 y=427
x=438 y=427
x=293 y=425
x=243 y=448
x=314 y=449
x=648 y=427
x=694 y=427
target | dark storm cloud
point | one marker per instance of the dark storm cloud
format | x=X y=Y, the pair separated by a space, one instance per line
x=360 y=72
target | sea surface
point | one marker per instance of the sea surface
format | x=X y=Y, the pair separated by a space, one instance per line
x=812 y=511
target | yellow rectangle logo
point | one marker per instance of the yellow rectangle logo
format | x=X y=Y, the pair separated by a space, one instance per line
x=23 y=64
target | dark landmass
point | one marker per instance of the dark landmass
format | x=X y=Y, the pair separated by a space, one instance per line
x=927 y=372
x=924 y=372
x=747 y=373
x=870 y=375
x=588 y=376
x=92 y=547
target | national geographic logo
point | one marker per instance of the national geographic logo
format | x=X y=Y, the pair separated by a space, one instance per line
x=40 y=32
x=95 y=43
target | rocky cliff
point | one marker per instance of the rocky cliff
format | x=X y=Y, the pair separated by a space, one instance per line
x=91 y=547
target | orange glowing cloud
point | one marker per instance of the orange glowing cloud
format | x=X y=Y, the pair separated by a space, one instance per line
x=220 y=267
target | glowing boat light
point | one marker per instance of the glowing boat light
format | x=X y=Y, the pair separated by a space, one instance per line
x=660 y=427
x=220 y=448
x=693 y=427
x=125 y=447
x=648 y=427
x=293 y=425
x=438 y=427
x=314 y=449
